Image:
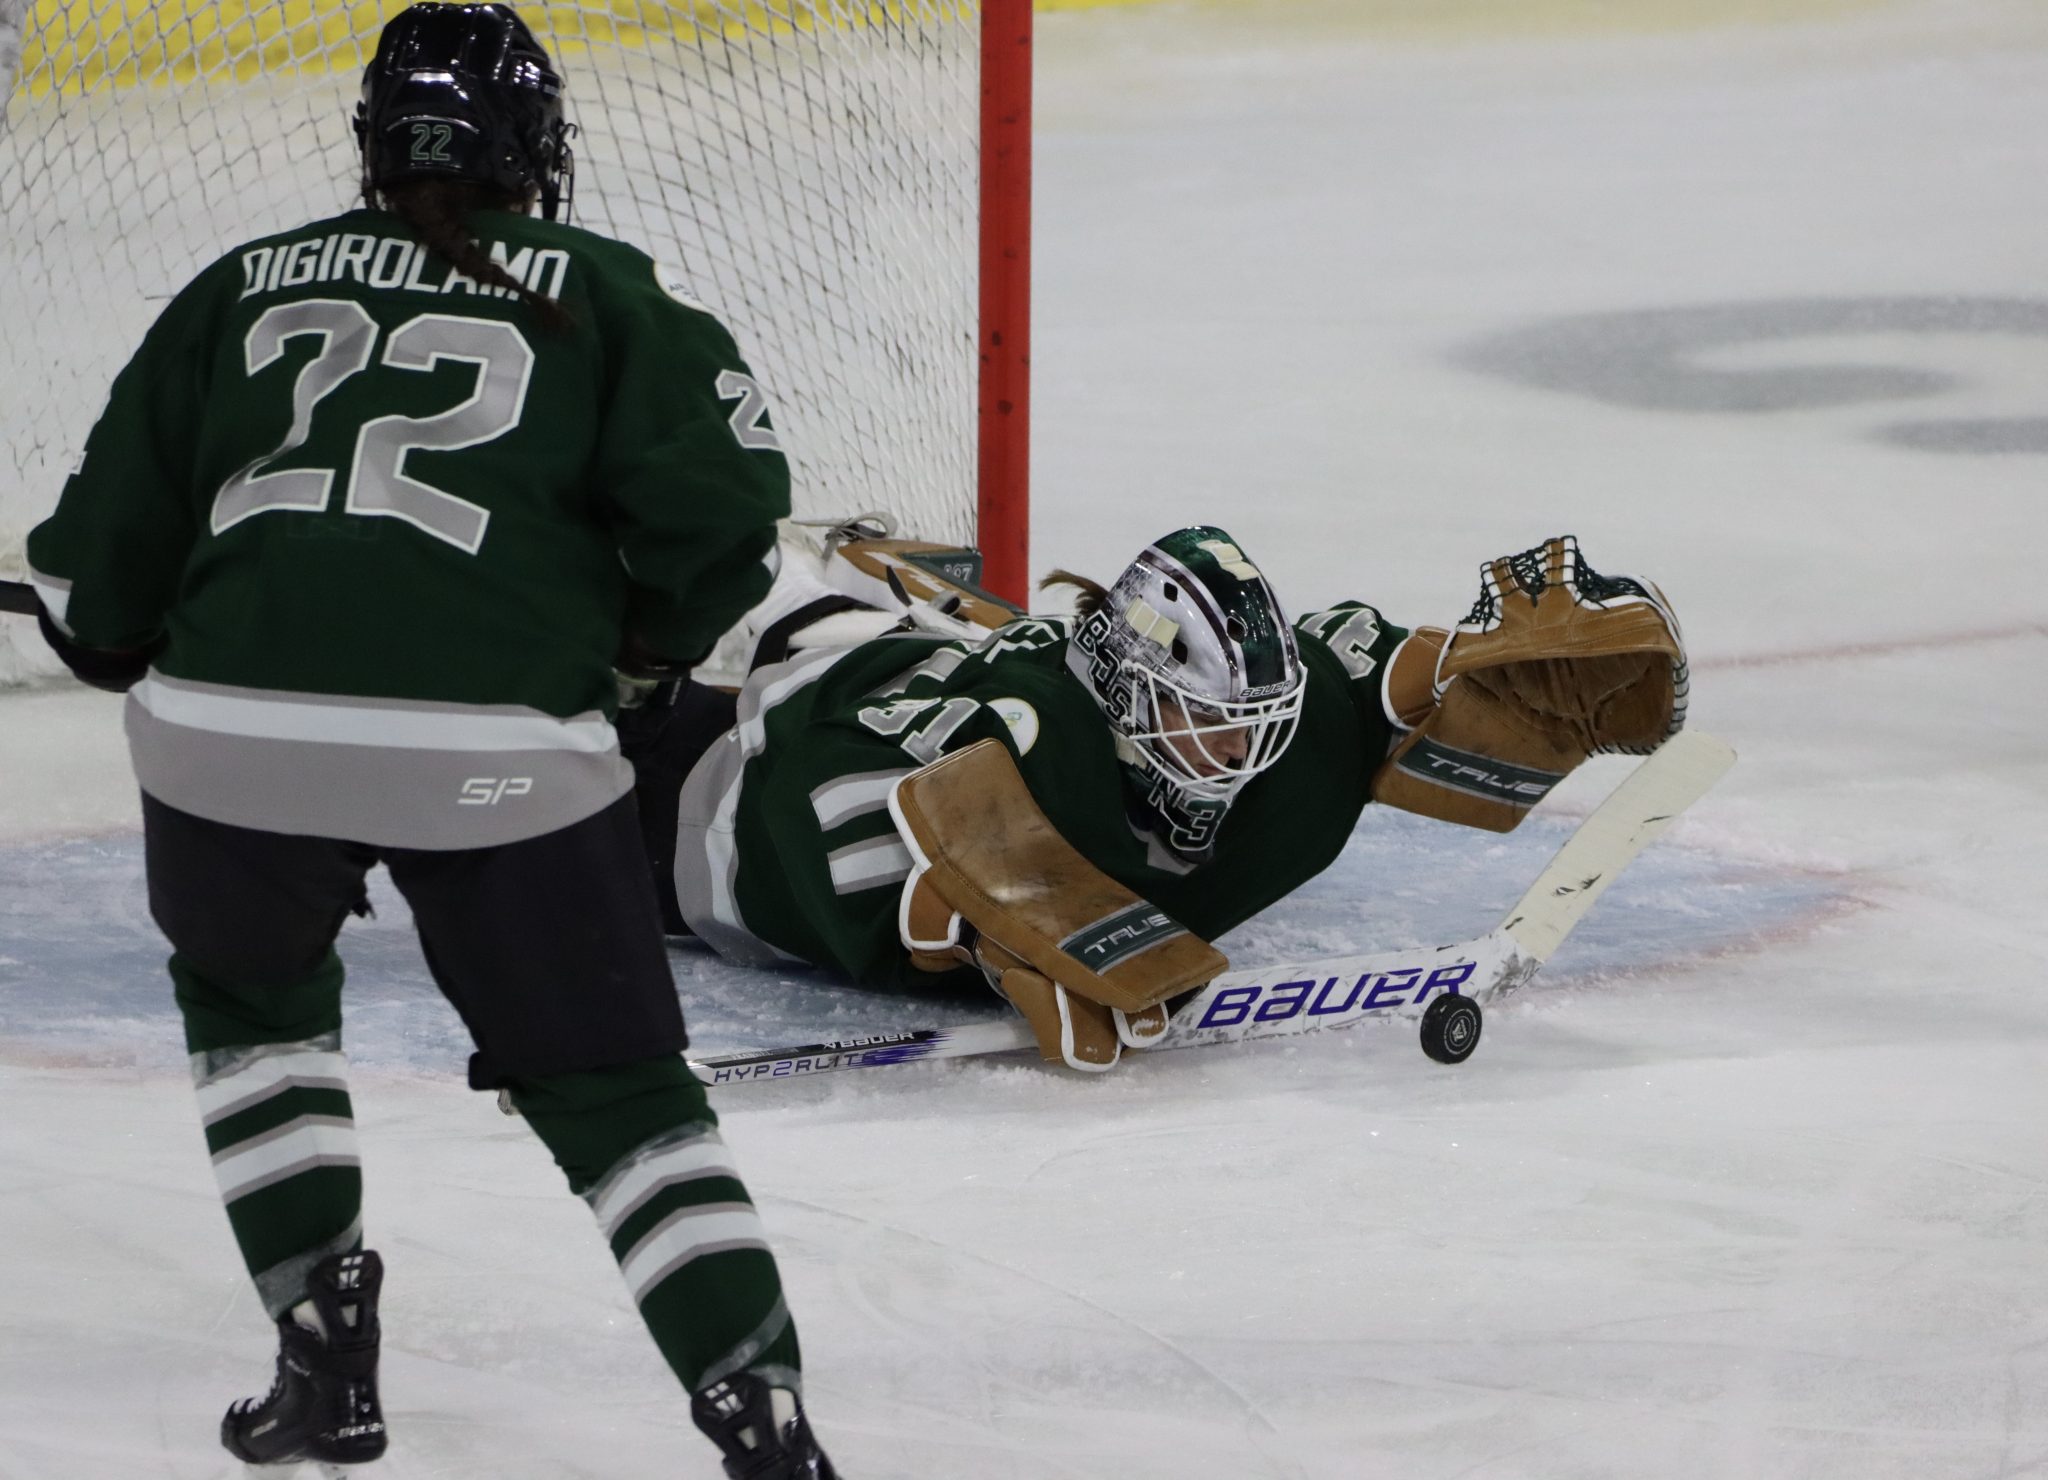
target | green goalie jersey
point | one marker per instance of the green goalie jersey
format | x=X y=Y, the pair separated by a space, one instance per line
x=787 y=851
x=385 y=527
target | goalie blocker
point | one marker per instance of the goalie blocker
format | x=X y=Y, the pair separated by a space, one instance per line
x=1088 y=963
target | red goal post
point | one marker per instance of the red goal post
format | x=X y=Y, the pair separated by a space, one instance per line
x=1004 y=464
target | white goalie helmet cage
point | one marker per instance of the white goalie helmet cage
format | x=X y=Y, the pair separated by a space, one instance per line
x=1193 y=662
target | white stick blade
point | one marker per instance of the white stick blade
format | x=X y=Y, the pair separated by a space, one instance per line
x=1678 y=774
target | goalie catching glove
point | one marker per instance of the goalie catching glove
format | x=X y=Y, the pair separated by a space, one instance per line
x=1088 y=963
x=1554 y=663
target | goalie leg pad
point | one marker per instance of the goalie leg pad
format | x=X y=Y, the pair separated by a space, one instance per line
x=804 y=610
x=860 y=585
x=983 y=845
x=891 y=574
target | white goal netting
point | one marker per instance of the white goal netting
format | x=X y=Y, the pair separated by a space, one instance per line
x=810 y=166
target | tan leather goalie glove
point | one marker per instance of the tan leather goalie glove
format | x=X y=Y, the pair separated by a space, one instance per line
x=1070 y=1029
x=1554 y=663
x=1089 y=964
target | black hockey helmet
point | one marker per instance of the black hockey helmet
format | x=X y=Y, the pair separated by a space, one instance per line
x=464 y=92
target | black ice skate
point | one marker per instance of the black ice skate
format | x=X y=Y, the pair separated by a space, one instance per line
x=323 y=1406
x=761 y=1430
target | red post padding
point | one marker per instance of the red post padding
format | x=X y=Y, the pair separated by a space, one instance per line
x=1004 y=509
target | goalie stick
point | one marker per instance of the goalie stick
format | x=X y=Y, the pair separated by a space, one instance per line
x=1304 y=997
x=18 y=597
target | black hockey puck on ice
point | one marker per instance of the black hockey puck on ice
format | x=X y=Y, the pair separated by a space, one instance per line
x=1450 y=1029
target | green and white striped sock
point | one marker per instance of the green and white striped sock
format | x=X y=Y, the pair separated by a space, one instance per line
x=695 y=1257
x=640 y=1144
x=283 y=1139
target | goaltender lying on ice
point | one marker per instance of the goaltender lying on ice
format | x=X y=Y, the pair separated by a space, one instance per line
x=918 y=784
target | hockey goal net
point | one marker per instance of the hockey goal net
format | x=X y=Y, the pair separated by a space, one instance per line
x=843 y=181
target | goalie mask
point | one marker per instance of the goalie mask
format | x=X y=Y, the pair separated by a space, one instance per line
x=464 y=92
x=1194 y=665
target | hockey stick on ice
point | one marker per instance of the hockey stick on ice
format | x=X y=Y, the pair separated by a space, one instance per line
x=1303 y=997
x=18 y=597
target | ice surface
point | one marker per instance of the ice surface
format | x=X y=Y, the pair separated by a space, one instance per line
x=1751 y=1185
x=84 y=982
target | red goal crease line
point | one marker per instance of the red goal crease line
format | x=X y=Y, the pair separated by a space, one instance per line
x=1836 y=652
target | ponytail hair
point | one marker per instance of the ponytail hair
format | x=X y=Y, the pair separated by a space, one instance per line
x=1088 y=595
x=437 y=213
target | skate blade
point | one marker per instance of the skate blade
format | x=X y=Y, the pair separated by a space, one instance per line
x=312 y=1469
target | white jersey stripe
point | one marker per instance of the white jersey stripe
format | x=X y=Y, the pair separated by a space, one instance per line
x=724 y=929
x=55 y=596
x=264 y=715
x=841 y=801
x=869 y=865
x=787 y=678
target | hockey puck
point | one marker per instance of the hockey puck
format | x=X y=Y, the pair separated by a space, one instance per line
x=1450 y=1029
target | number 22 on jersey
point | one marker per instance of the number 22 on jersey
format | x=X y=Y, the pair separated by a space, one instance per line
x=378 y=484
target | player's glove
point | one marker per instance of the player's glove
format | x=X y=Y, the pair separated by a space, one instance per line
x=115 y=670
x=1554 y=663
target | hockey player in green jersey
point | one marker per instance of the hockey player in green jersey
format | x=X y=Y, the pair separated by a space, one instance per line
x=1177 y=747
x=364 y=530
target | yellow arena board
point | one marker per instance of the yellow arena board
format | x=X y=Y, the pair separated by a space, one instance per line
x=73 y=46
x=82 y=45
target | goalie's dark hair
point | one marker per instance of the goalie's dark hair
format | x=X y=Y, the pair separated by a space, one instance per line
x=437 y=213
x=1088 y=595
